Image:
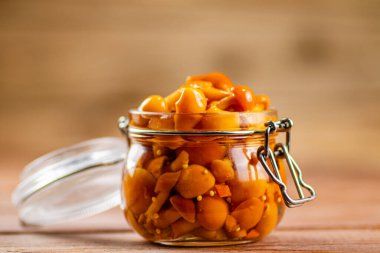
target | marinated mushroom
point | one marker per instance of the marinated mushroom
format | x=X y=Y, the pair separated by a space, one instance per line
x=268 y=220
x=249 y=212
x=181 y=161
x=205 y=154
x=212 y=212
x=222 y=170
x=181 y=227
x=188 y=106
x=185 y=207
x=194 y=181
x=140 y=190
x=154 y=103
x=155 y=166
x=166 y=217
x=218 y=80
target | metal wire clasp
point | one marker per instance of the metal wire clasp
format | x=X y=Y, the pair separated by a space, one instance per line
x=123 y=123
x=265 y=155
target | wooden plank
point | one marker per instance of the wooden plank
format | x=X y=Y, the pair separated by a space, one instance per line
x=312 y=59
x=82 y=64
x=352 y=240
x=345 y=217
x=347 y=200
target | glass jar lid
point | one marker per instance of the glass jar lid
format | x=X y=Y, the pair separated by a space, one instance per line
x=71 y=183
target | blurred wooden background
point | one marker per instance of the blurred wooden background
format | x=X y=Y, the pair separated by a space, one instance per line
x=69 y=69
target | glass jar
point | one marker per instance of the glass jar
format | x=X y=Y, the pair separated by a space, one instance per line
x=224 y=184
x=206 y=187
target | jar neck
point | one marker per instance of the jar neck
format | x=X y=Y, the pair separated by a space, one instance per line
x=199 y=122
x=180 y=140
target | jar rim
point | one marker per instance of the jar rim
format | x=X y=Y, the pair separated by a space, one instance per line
x=270 y=111
x=249 y=123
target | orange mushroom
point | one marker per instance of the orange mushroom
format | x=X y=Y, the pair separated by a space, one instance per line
x=181 y=227
x=154 y=103
x=222 y=170
x=269 y=220
x=248 y=213
x=188 y=106
x=212 y=212
x=185 y=207
x=206 y=153
x=244 y=97
x=139 y=190
x=262 y=103
x=194 y=181
x=219 y=80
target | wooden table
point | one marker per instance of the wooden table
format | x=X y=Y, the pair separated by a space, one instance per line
x=345 y=217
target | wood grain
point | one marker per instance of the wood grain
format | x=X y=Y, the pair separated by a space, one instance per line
x=69 y=69
x=344 y=218
x=352 y=240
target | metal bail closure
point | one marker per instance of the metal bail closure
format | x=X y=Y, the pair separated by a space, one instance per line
x=265 y=154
